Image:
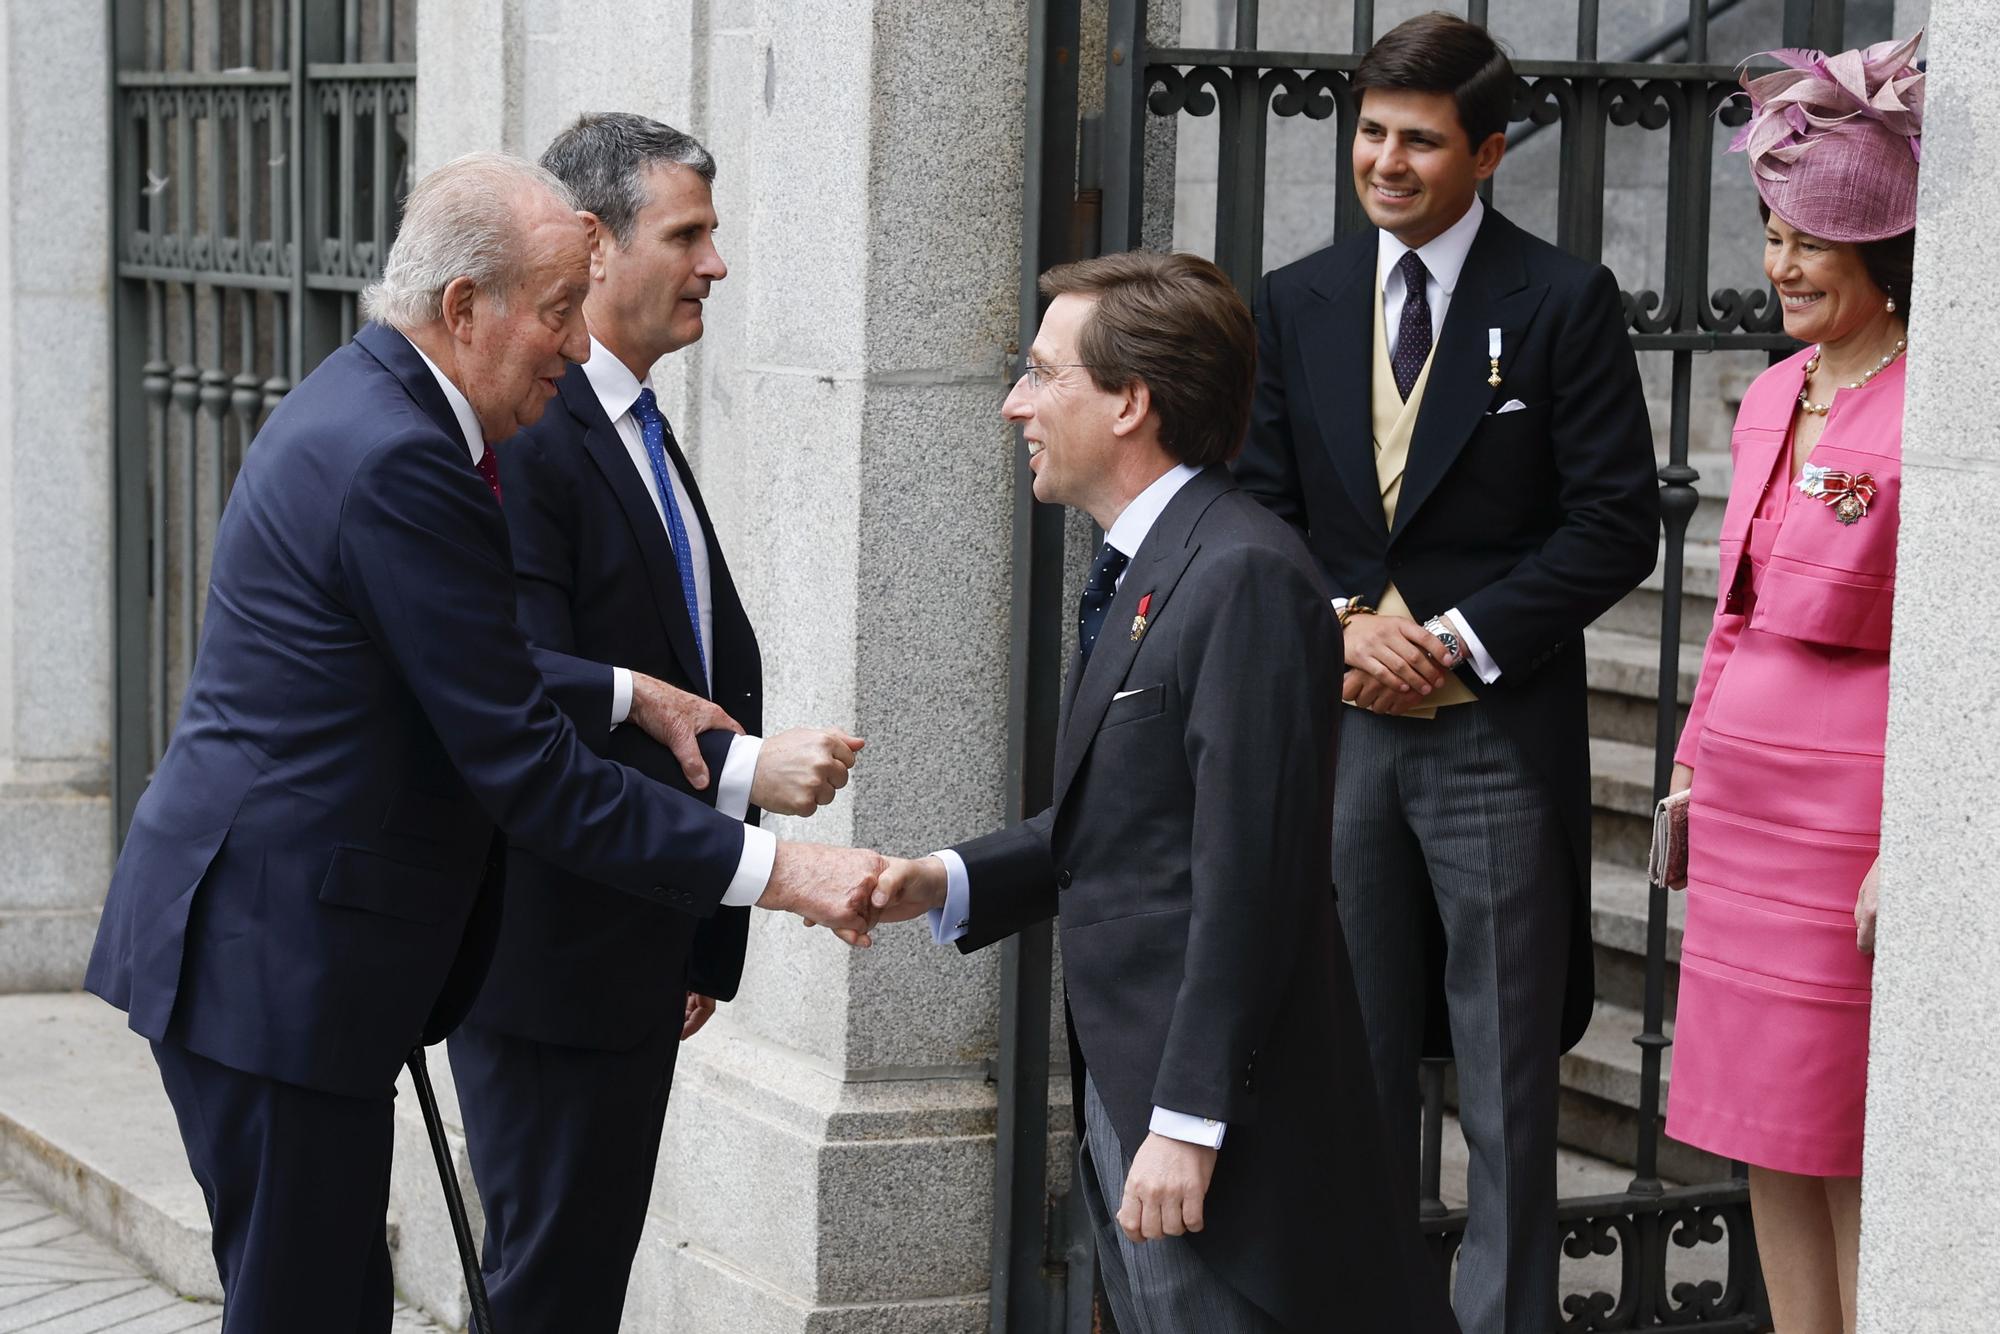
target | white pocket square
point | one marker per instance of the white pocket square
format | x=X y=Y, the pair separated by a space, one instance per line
x=1511 y=405
x=1122 y=694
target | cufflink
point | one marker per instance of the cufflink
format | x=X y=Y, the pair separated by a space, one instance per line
x=964 y=922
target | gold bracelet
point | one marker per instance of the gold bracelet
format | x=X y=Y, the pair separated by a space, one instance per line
x=1355 y=607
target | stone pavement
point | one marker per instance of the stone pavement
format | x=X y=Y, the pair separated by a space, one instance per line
x=56 y=1278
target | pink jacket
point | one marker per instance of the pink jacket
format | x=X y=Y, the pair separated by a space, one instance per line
x=1827 y=582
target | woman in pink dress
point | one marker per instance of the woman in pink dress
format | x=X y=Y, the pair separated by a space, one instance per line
x=1783 y=744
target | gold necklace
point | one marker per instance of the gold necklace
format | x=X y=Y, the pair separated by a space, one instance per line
x=1812 y=366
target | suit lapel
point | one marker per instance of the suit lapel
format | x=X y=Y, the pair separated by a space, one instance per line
x=607 y=452
x=1338 y=346
x=403 y=361
x=1492 y=293
x=1155 y=569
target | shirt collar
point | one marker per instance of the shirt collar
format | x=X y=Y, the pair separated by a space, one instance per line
x=617 y=389
x=461 y=408
x=1443 y=255
x=1129 y=529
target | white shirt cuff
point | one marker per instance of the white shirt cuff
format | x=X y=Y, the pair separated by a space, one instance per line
x=732 y=789
x=1482 y=661
x=621 y=694
x=753 y=870
x=950 y=922
x=1202 y=1130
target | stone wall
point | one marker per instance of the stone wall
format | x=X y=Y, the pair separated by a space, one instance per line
x=1931 y=1181
x=55 y=492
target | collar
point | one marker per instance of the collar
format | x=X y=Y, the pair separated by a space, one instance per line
x=1130 y=528
x=617 y=389
x=1443 y=255
x=461 y=407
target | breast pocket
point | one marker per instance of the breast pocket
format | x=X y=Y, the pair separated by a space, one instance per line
x=1133 y=705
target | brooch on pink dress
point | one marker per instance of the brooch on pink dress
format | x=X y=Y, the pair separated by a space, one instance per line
x=1847 y=494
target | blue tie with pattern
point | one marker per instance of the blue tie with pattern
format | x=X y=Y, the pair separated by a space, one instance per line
x=1413 y=333
x=1098 y=590
x=653 y=429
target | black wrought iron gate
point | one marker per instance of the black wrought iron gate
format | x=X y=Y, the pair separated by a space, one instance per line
x=1673 y=82
x=260 y=156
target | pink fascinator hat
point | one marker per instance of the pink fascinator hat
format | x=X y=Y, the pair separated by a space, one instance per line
x=1834 y=141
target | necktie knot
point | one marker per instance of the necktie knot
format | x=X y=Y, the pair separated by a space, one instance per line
x=1098 y=590
x=1411 y=266
x=646 y=409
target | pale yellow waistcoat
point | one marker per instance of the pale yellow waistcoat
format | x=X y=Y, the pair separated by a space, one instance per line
x=1393 y=421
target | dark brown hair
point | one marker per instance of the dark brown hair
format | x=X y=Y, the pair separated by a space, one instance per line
x=1176 y=323
x=1443 y=53
x=1891 y=262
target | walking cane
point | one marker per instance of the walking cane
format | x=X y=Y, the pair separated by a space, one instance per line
x=454 y=1201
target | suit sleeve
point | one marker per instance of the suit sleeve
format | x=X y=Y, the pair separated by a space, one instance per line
x=1267 y=467
x=1607 y=491
x=1259 y=669
x=1012 y=878
x=423 y=559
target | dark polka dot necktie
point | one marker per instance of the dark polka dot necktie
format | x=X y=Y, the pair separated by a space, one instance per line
x=1098 y=590
x=1413 y=333
x=488 y=467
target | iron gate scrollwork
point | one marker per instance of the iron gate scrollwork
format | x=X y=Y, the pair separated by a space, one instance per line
x=260 y=155
x=1669 y=83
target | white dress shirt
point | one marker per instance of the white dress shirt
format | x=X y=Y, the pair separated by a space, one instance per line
x=1128 y=530
x=1443 y=258
x=732 y=790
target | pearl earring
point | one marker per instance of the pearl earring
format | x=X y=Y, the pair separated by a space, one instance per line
x=1890 y=305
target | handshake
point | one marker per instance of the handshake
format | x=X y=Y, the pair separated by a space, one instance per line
x=849 y=890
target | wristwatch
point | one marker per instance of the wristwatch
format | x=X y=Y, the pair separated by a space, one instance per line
x=1453 y=645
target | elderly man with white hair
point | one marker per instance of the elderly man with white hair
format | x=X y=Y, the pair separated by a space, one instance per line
x=310 y=885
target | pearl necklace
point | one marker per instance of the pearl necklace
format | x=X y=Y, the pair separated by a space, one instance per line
x=1812 y=365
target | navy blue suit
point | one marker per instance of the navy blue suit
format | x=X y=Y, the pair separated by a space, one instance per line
x=565 y=1063
x=309 y=886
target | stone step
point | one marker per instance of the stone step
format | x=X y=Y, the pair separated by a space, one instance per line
x=1621 y=800
x=1601 y=1082
x=1620 y=899
x=1638 y=613
x=85 y=1124
x=1623 y=672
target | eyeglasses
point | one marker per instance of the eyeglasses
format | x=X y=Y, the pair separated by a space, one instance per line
x=1037 y=373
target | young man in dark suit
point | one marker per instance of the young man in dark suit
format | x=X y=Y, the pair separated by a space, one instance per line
x=1449 y=409
x=565 y=1064
x=1231 y=1143
x=311 y=881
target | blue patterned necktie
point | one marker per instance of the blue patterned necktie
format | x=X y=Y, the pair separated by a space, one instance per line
x=653 y=429
x=1413 y=334
x=1098 y=590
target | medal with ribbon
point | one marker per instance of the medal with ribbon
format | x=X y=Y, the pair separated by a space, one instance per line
x=1139 y=621
x=1847 y=494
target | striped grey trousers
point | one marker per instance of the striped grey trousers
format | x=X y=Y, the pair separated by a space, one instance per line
x=1156 y=1287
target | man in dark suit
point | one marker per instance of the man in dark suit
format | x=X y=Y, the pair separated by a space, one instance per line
x=1232 y=1144
x=565 y=1064
x=1450 y=410
x=310 y=884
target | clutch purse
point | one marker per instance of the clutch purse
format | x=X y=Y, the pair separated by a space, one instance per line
x=1667 y=864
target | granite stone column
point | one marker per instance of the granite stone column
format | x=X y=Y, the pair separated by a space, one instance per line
x=1930 y=1222
x=55 y=492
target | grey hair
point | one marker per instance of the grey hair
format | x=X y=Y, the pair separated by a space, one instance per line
x=461 y=221
x=603 y=158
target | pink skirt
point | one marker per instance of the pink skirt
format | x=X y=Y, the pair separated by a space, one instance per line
x=1770 y=1058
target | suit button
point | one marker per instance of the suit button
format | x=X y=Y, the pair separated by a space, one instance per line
x=1063 y=878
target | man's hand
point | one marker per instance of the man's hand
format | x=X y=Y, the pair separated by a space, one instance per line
x=1364 y=691
x=1165 y=1189
x=1395 y=651
x=1864 y=908
x=800 y=769
x=825 y=885
x=700 y=1009
x=909 y=889
x=674 y=718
